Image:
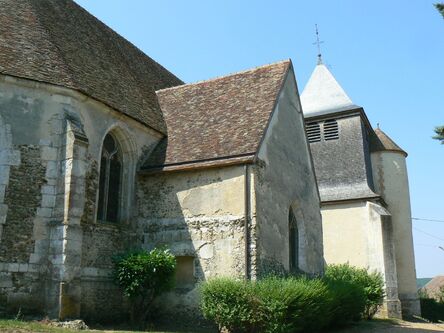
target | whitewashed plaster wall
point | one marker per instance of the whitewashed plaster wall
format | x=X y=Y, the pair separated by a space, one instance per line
x=360 y=233
x=391 y=181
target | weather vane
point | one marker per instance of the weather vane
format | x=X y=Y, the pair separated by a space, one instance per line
x=318 y=43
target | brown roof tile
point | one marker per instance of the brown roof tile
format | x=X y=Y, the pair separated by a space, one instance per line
x=434 y=287
x=382 y=142
x=220 y=118
x=58 y=42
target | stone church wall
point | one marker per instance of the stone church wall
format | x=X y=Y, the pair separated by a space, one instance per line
x=51 y=246
x=28 y=126
x=284 y=178
x=198 y=215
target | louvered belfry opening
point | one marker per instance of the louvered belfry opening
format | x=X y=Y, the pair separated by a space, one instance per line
x=331 y=131
x=327 y=130
x=313 y=132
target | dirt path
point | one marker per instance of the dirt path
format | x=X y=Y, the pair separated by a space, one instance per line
x=395 y=327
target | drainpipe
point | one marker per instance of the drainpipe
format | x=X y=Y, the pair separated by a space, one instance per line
x=246 y=222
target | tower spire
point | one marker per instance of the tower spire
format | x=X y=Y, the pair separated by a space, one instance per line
x=318 y=44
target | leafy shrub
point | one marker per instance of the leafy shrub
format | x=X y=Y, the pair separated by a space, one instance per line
x=274 y=304
x=230 y=303
x=347 y=302
x=144 y=275
x=293 y=304
x=371 y=282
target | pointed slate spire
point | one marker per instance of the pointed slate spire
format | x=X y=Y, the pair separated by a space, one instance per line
x=323 y=94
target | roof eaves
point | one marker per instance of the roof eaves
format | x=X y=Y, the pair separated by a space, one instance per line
x=202 y=164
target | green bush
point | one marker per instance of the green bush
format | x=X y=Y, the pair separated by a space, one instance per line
x=347 y=302
x=371 y=282
x=272 y=305
x=231 y=304
x=144 y=275
x=293 y=304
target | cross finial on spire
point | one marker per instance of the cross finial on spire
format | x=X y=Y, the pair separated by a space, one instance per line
x=318 y=43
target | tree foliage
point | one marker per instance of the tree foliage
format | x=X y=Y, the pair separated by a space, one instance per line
x=440 y=129
x=439 y=134
x=143 y=275
x=440 y=8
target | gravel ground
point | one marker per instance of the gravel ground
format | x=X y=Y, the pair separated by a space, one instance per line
x=395 y=327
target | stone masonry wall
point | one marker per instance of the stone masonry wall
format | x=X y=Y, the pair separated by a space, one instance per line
x=23 y=197
x=198 y=214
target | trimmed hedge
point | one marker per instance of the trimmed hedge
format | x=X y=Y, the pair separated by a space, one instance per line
x=293 y=304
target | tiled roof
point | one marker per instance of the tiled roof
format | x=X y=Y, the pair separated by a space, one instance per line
x=433 y=287
x=58 y=42
x=382 y=142
x=218 y=119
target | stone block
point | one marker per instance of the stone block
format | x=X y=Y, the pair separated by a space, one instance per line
x=49 y=153
x=52 y=169
x=50 y=190
x=4 y=174
x=35 y=258
x=44 y=212
x=23 y=268
x=9 y=157
x=33 y=268
x=14 y=267
x=48 y=201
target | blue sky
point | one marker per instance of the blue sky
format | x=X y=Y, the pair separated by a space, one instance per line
x=387 y=55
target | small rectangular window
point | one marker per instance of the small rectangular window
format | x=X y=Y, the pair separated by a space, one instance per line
x=313 y=132
x=185 y=271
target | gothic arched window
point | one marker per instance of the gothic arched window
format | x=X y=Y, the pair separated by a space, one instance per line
x=110 y=182
x=293 y=241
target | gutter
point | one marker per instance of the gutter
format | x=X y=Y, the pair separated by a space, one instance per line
x=247 y=222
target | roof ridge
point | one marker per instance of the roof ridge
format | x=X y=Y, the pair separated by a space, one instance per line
x=227 y=75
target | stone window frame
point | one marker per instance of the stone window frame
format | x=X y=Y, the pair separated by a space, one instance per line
x=128 y=152
x=300 y=222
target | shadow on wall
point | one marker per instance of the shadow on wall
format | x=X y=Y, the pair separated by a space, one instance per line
x=197 y=215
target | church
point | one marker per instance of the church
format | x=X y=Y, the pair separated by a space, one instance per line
x=103 y=150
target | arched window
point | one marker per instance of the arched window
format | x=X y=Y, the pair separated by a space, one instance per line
x=293 y=241
x=110 y=182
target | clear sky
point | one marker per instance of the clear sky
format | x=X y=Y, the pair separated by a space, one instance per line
x=387 y=55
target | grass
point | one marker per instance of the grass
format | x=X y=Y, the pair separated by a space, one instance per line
x=19 y=326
